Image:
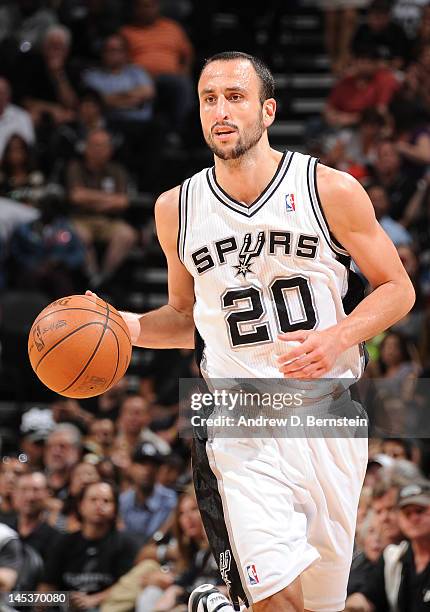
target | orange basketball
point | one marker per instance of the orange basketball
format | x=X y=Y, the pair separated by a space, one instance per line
x=79 y=346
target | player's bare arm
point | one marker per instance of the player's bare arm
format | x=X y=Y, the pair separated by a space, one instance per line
x=172 y=325
x=351 y=218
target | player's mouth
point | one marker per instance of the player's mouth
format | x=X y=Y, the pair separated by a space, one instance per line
x=223 y=133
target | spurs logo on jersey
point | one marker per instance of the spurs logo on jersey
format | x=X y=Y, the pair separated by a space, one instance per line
x=260 y=270
x=247 y=253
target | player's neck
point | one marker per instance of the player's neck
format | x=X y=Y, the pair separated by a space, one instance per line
x=244 y=179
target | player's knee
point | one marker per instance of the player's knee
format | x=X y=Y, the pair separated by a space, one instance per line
x=289 y=599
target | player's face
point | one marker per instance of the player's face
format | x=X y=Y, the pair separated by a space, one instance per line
x=231 y=112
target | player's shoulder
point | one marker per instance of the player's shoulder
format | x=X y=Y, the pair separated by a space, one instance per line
x=332 y=181
x=337 y=188
x=167 y=202
x=343 y=199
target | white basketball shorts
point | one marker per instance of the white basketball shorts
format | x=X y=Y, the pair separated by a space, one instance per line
x=278 y=508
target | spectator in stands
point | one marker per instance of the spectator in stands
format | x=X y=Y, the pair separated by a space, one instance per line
x=29 y=500
x=13 y=119
x=411 y=131
x=100 y=438
x=340 y=19
x=128 y=92
x=162 y=47
x=48 y=254
x=69 y=139
x=380 y=32
x=408 y=13
x=109 y=403
x=133 y=425
x=24 y=22
x=423 y=35
x=10 y=560
x=395 y=360
x=10 y=469
x=20 y=178
x=388 y=172
x=66 y=519
x=171 y=470
x=88 y=562
x=195 y=564
x=401 y=579
x=62 y=452
x=384 y=506
x=89 y=22
x=417 y=214
x=36 y=425
x=379 y=197
x=397 y=448
x=367 y=85
x=365 y=561
x=146 y=506
x=98 y=193
x=354 y=150
x=46 y=83
x=22 y=184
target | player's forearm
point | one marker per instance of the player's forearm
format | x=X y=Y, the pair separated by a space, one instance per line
x=386 y=305
x=165 y=327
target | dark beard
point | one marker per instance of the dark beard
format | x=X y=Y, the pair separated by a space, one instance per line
x=242 y=147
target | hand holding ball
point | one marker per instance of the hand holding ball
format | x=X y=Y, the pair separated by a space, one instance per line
x=79 y=346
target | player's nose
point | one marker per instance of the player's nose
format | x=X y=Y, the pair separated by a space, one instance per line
x=222 y=112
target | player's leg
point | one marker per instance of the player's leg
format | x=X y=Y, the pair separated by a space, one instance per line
x=257 y=535
x=207 y=598
x=336 y=470
x=289 y=599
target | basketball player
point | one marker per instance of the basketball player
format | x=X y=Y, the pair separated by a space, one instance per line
x=259 y=250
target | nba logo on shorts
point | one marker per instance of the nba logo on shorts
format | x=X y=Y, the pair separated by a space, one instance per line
x=290 y=204
x=252 y=574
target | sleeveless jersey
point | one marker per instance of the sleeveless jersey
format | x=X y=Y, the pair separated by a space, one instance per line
x=263 y=269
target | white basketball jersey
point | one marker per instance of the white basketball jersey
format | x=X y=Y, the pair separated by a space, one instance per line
x=263 y=269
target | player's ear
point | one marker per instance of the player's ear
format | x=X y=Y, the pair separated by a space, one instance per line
x=269 y=111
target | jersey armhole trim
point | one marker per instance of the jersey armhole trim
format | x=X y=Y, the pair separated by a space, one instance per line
x=318 y=210
x=182 y=212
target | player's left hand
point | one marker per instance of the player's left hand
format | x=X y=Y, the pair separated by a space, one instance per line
x=313 y=357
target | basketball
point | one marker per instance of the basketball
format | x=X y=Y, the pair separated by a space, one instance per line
x=79 y=347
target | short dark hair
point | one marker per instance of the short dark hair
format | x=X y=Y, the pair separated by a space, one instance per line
x=267 y=82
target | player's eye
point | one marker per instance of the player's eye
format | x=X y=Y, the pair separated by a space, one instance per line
x=235 y=97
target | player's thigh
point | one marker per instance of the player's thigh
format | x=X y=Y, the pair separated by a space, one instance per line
x=266 y=524
x=338 y=470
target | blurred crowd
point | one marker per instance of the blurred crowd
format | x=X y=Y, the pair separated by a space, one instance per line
x=96 y=496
